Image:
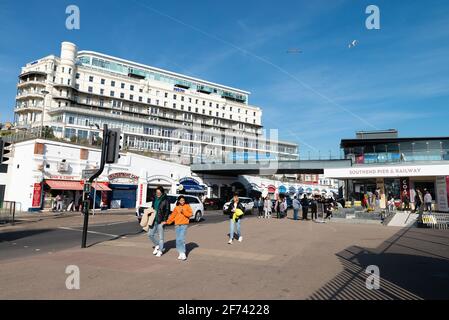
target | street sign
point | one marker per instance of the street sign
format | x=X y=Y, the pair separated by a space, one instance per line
x=86 y=174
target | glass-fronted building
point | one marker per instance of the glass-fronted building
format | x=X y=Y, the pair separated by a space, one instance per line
x=394 y=166
x=163 y=114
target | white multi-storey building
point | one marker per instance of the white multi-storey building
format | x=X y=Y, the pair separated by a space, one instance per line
x=169 y=115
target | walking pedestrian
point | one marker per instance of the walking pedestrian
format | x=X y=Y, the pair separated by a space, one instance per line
x=314 y=208
x=181 y=217
x=305 y=207
x=428 y=201
x=59 y=201
x=260 y=205
x=161 y=207
x=235 y=208
x=418 y=201
x=406 y=201
x=267 y=207
x=296 y=206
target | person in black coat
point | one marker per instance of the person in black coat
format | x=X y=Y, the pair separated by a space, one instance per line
x=161 y=206
x=305 y=207
x=233 y=206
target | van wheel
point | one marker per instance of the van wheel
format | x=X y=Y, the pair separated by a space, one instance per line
x=198 y=216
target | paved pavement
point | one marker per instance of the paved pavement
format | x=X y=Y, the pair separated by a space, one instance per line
x=278 y=259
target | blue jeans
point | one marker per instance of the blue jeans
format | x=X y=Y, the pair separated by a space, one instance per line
x=295 y=214
x=231 y=232
x=181 y=238
x=159 y=229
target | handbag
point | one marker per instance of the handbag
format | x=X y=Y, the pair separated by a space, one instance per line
x=148 y=218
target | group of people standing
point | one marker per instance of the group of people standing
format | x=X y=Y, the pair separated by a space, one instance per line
x=266 y=207
x=422 y=201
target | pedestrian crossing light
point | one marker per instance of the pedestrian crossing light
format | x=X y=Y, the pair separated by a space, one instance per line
x=5 y=151
x=113 y=145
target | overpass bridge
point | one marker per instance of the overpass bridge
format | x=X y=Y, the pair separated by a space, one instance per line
x=270 y=167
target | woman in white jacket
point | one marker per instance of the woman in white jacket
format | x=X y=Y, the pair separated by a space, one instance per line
x=267 y=205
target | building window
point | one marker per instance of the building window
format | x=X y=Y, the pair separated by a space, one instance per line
x=112 y=93
x=77 y=76
x=204 y=103
x=112 y=83
x=102 y=91
x=140 y=99
x=90 y=89
x=122 y=95
x=149 y=101
x=91 y=79
x=131 y=97
x=166 y=95
x=174 y=105
x=103 y=81
x=174 y=97
x=71 y=120
x=122 y=86
x=131 y=87
x=68 y=82
x=101 y=102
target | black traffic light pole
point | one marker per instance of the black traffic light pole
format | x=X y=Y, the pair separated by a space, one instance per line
x=87 y=186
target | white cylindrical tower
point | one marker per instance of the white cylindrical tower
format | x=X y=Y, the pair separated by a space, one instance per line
x=68 y=53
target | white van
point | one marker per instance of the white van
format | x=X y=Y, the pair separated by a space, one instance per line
x=194 y=202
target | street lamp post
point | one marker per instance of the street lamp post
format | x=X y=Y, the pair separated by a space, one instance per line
x=45 y=93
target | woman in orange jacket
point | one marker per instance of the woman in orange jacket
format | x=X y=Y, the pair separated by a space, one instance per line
x=181 y=217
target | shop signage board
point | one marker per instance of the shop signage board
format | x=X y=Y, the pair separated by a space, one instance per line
x=37 y=195
x=124 y=177
x=442 y=197
x=86 y=174
x=387 y=171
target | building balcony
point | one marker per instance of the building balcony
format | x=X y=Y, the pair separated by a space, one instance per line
x=25 y=84
x=30 y=95
x=28 y=108
x=35 y=73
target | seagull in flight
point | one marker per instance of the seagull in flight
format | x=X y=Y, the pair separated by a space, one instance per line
x=353 y=44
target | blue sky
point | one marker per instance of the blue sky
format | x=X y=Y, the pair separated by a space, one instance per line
x=396 y=77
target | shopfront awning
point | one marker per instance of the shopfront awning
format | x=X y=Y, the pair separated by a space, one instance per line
x=282 y=189
x=271 y=189
x=101 y=186
x=75 y=185
x=292 y=190
x=64 y=185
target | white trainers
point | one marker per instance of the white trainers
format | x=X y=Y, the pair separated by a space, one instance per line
x=159 y=253
x=156 y=249
x=230 y=241
x=240 y=239
x=182 y=257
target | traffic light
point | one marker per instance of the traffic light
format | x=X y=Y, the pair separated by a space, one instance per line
x=113 y=145
x=5 y=152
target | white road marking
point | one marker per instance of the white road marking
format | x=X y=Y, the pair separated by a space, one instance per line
x=94 y=232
